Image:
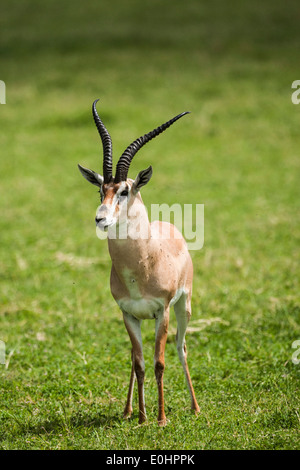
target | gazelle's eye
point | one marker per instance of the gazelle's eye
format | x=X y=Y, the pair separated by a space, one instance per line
x=124 y=193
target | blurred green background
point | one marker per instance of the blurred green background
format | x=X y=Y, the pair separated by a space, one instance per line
x=67 y=366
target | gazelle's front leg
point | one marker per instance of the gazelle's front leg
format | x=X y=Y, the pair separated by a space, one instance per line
x=128 y=406
x=133 y=327
x=161 y=332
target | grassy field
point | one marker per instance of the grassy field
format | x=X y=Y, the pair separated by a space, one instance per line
x=231 y=64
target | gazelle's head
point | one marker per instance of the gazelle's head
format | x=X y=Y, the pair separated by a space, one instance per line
x=118 y=193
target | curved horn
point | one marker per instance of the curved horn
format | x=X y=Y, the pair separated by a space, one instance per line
x=106 y=143
x=127 y=156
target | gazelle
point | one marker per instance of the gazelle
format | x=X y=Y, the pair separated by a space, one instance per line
x=149 y=273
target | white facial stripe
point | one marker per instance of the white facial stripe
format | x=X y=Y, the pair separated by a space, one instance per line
x=110 y=206
x=122 y=188
x=113 y=204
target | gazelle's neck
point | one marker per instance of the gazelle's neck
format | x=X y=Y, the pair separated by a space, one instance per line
x=130 y=238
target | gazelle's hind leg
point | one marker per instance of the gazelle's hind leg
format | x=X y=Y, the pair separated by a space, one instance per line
x=183 y=312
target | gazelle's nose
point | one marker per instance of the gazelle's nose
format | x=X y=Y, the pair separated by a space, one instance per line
x=99 y=219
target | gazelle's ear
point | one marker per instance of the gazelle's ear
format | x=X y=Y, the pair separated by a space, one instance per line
x=142 y=178
x=91 y=176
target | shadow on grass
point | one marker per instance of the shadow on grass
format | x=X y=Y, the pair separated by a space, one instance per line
x=79 y=421
x=71 y=422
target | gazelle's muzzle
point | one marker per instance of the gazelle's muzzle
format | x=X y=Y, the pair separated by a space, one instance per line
x=105 y=216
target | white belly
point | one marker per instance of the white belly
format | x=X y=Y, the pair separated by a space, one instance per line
x=140 y=307
x=143 y=308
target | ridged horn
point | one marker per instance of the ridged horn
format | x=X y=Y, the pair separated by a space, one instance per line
x=106 y=143
x=127 y=156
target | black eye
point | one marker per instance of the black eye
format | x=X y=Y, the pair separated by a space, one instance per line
x=124 y=193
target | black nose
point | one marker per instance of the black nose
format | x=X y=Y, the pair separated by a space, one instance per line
x=99 y=219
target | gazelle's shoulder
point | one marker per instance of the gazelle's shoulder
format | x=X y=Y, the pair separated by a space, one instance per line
x=166 y=231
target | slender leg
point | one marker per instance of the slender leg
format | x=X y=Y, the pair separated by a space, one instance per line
x=161 y=332
x=133 y=327
x=128 y=406
x=183 y=312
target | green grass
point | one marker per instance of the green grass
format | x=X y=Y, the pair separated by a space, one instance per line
x=67 y=352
